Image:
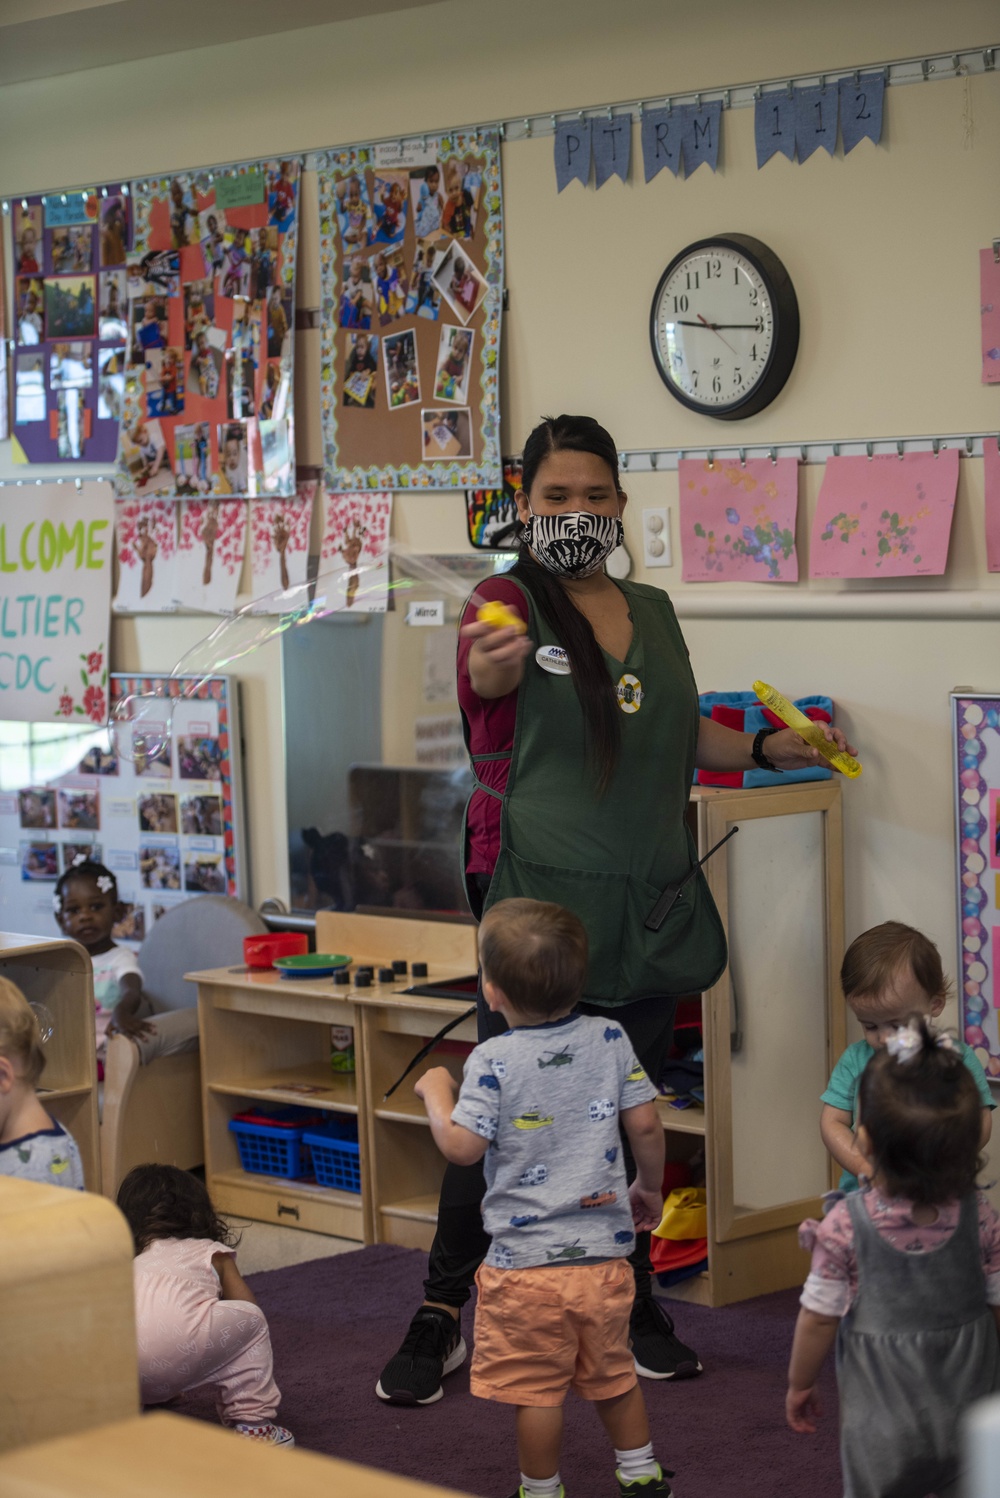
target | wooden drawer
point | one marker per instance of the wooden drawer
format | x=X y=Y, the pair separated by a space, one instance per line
x=289 y=1204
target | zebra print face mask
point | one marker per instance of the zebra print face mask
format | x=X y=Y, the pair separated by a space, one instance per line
x=575 y=545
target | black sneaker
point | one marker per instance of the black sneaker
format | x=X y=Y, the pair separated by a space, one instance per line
x=646 y=1487
x=657 y=1351
x=431 y=1348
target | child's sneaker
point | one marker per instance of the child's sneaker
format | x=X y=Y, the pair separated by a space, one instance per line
x=520 y=1492
x=266 y=1432
x=646 y=1487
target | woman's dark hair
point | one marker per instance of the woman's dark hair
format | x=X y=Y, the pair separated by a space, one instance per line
x=87 y=868
x=923 y=1115
x=163 y=1201
x=594 y=687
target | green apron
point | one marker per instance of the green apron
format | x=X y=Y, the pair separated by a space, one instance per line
x=607 y=858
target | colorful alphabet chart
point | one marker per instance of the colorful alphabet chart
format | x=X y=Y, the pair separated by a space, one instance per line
x=168 y=826
x=208 y=343
x=411 y=265
x=69 y=324
x=976 y=748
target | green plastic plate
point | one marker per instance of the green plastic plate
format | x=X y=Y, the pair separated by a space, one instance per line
x=311 y=964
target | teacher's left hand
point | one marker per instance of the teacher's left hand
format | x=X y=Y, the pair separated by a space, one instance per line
x=788 y=750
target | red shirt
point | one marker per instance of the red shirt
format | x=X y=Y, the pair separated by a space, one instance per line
x=490 y=730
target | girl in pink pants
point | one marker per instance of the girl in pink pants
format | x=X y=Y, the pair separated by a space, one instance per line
x=197 y=1320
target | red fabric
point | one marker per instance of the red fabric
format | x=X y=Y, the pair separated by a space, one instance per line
x=491 y=729
x=674 y=1253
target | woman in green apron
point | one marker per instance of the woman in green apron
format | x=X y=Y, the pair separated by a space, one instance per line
x=584 y=734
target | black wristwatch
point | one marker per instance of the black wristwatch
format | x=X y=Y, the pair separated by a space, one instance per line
x=757 y=751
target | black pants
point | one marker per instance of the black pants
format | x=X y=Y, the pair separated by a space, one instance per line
x=460 y=1243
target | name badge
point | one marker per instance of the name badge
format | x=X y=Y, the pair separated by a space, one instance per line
x=630 y=694
x=553 y=658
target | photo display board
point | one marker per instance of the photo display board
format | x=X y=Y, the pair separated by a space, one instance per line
x=976 y=767
x=168 y=828
x=210 y=283
x=69 y=254
x=411 y=255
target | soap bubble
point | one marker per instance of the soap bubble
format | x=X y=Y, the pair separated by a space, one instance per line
x=140 y=724
x=43 y=1019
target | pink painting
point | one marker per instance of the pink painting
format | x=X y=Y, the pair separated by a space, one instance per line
x=885 y=516
x=354 y=556
x=210 y=554
x=738 y=520
x=279 y=547
x=146 y=536
x=991 y=487
x=989 y=313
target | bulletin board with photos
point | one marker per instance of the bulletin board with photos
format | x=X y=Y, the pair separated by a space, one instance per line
x=168 y=828
x=210 y=282
x=411 y=260
x=69 y=253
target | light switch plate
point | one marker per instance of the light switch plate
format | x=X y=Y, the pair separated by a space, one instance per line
x=656 y=549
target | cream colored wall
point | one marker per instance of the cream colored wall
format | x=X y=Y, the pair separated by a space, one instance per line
x=882 y=248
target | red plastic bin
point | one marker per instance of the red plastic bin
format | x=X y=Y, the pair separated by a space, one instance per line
x=260 y=951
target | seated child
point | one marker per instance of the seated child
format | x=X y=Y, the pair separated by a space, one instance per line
x=33 y=1146
x=905 y=1278
x=87 y=907
x=197 y=1321
x=543 y=1104
x=888 y=973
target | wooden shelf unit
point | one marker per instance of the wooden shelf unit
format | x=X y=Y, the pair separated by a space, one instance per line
x=260 y=1031
x=59 y=974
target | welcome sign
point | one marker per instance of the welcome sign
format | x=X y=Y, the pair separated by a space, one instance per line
x=56 y=544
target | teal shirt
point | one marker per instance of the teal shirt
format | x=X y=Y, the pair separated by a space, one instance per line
x=842 y=1088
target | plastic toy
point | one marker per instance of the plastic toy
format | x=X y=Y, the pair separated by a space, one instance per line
x=500 y=616
x=810 y=731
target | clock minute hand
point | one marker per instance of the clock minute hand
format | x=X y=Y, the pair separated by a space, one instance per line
x=754 y=327
x=705 y=323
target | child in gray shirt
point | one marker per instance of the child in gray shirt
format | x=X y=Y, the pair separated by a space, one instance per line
x=544 y=1104
x=33 y=1146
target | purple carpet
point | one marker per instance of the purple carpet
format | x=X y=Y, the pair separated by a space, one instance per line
x=334 y=1322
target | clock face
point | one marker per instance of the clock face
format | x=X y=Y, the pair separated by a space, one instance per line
x=724 y=326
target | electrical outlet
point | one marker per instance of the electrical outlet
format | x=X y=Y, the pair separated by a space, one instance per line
x=656 y=550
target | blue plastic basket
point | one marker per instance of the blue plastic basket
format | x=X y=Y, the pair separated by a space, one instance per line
x=274 y=1149
x=335 y=1155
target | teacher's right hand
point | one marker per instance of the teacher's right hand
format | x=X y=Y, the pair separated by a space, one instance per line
x=497 y=648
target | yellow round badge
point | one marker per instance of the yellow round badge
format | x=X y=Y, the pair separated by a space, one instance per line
x=630 y=694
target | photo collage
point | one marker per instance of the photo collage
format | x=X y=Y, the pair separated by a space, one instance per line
x=208 y=318
x=69 y=327
x=409 y=253
x=164 y=826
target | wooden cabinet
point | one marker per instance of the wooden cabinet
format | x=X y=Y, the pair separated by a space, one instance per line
x=59 y=975
x=772 y=1027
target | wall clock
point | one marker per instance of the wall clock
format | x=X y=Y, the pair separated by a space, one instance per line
x=724 y=326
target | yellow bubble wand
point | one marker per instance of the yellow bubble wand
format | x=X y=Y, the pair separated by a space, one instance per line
x=810 y=731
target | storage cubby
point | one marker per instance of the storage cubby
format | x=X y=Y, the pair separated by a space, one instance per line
x=59 y=975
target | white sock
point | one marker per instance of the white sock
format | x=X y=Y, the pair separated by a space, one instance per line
x=541 y=1487
x=638 y=1463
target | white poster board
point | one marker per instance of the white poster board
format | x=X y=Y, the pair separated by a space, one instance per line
x=168 y=829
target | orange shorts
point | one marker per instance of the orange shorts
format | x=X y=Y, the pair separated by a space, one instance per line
x=544 y=1330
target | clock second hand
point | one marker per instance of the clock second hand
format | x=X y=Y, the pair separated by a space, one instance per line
x=705 y=323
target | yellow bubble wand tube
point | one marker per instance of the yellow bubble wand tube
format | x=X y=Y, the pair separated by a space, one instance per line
x=810 y=731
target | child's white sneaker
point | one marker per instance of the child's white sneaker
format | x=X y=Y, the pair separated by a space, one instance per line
x=266 y=1432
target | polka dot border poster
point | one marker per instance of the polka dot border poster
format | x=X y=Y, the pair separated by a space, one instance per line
x=976 y=738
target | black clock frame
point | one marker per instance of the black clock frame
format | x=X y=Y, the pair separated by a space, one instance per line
x=784 y=346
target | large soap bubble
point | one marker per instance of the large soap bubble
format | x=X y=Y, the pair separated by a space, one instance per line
x=140 y=724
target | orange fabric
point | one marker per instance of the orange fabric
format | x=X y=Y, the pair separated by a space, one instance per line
x=544 y=1330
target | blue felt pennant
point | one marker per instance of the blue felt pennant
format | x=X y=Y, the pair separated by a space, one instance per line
x=861 y=109
x=774 y=126
x=661 y=141
x=572 y=152
x=815 y=120
x=701 y=131
x=612 y=144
